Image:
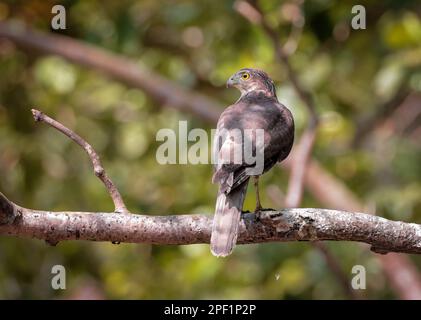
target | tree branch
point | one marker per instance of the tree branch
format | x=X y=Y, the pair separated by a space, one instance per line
x=96 y=162
x=283 y=225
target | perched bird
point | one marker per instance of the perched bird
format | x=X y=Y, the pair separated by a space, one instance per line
x=257 y=108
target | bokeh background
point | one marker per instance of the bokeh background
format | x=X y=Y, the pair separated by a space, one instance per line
x=367 y=89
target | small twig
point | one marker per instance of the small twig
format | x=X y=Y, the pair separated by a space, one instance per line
x=96 y=162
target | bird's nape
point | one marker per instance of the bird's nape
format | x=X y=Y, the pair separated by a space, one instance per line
x=248 y=79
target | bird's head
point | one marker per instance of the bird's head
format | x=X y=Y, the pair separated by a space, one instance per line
x=248 y=80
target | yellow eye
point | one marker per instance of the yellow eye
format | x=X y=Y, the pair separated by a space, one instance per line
x=245 y=76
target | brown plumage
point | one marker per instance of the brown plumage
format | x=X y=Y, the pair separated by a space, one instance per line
x=257 y=108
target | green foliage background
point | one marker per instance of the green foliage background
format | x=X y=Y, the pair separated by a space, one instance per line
x=199 y=44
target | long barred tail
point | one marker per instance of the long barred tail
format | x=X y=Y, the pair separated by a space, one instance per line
x=226 y=220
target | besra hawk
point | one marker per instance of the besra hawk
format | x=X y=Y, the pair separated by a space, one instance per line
x=267 y=127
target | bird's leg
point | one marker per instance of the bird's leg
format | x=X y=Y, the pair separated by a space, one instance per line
x=256 y=185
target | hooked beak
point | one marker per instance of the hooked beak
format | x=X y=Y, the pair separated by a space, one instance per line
x=231 y=82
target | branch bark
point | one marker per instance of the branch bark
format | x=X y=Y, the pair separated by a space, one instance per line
x=281 y=225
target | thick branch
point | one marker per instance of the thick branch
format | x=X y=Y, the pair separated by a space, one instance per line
x=283 y=225
x=96 y=162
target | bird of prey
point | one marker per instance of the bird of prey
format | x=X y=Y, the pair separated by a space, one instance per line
x=257 y=110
